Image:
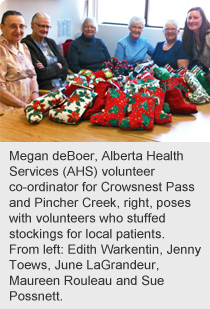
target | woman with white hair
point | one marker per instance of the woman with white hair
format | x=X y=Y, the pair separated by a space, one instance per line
x=51 y=67
x=133 y=48
x=87 y=52
x=170 y=51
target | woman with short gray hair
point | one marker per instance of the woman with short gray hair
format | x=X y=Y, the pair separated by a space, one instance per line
x=87 y=52
x=133 y=48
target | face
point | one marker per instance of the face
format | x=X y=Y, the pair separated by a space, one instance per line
x=89 y=30
x=171 y=32
x=194 y=20
x=13 y=28
x=41 y=27
x=135 y=30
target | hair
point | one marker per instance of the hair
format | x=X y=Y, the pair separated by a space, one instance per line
x=88 y=20
x=188 y=35
x=9 y=13
x=135 y=20
x=171 y=21
x=40 y=15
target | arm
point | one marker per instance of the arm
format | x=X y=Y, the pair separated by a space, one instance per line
x=182 y=62
x=119 y=52
x=150 y=49
x=182 y=57
x=5 y=96
x=73 y=58
x=9 y=99
x=106 y=52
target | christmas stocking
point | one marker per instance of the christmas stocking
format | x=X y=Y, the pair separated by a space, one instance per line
x=142 y=116
x=198 y=94
x=34 y=110
x=101 y=89
x=177 y=104
x=115 y=109
x=201 y=78
x=71 y=111
x=162 y=113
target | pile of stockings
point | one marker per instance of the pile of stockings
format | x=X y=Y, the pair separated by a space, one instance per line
x=119 y=95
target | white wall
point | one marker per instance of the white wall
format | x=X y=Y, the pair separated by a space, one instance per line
x=110 y=34
x=76 y=11
x=57 y=9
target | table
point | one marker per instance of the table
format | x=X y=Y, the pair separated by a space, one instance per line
x=14 y=127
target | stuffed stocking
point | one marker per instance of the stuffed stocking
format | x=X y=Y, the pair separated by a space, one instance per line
x=207 y=75
x=201 y=78
x=199 y=94
x=161 y=115
x=142 y=116
x=99 y=101
x=177 y=104
x=34 y=110
x=115 y=109
x=71 y=111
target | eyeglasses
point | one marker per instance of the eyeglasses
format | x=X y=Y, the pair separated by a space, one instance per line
x=170 y=29
x=15 y=27
x=136 y=28
x=43 y=26
x=91 y=27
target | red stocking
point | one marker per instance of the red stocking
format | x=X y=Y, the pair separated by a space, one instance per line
x=177 y=104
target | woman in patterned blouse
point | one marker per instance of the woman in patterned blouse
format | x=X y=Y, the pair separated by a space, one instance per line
x=18 y=84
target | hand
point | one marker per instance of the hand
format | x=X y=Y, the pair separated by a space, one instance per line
x=39 y=65
x=33 y=97
x=59 y=65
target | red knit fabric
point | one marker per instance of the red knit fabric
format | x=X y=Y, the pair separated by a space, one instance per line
x=177 y=104
x=99 y=101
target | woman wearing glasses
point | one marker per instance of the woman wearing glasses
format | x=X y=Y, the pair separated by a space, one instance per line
x=51 y=67
x=18 y=84
x=87 y=52
x=132 y=48
x=170 y=51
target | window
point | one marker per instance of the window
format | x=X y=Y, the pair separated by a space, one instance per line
x=161 y=10
x=120 y=12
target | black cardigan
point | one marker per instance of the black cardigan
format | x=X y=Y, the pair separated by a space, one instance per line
x=49 y=72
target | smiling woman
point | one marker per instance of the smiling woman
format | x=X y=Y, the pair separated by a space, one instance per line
x=87 y=52
x=196 y=38
x=170 y=51
x=18 y=84
x=132 y=48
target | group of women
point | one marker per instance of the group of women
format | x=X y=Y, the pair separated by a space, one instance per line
x=35 y=62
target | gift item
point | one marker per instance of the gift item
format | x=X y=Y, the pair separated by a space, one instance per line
x=142 y=116
x=71 y=111
x=177 y=104
x=34 y=110
x=170 y=83
x=101 y=89
x=160 y=72
x=115 y=109
x=161 y=115
x=207 y=75
x=201 y=78
x=76 y=79
x=198 y=94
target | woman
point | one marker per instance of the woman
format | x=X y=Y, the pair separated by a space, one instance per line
x=87 y=52
x=196 y=38
x=170 y=51
x=51 y=67
x=132 y=48
x=18 y=84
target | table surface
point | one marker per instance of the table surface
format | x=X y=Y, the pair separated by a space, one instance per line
x=14 y=127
